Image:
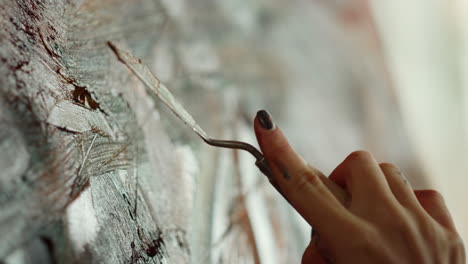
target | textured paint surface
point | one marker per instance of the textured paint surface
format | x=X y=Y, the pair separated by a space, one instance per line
x=75 y=118
x=81 y=221
x=155 y=86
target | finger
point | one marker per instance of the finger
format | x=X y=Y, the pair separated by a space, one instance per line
x=300 y=185
x=340 y=194
x=290 y=159
x=362 y=177
x=434 y=204
x=399 y=186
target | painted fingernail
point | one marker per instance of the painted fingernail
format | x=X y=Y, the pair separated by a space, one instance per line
x=265 y=120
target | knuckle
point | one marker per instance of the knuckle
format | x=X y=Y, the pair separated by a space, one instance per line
x=388 y=166
x=359 y=155
x=281 y=145
x=458 y=246
x=457 y=241
x=305 y=179
x=300 y=186
x=430 y=195
x=311 y=177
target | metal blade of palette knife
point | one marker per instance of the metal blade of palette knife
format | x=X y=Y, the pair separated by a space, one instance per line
x=155 y=85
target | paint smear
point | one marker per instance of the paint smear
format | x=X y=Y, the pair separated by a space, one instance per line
x=155 y=86
x=82 y=222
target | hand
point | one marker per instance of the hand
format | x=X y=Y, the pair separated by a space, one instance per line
x=364 y=212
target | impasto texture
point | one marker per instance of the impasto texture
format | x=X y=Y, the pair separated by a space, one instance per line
x=94 y=170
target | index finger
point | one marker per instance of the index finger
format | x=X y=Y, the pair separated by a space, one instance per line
x=302 y=185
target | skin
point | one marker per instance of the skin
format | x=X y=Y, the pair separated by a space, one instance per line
x=364 y=212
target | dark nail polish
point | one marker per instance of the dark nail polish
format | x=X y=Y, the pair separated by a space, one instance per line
x=265 y=120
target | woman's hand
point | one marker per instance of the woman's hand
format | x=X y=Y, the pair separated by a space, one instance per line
x=364 y=212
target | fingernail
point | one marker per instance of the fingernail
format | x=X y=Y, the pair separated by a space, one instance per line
x=265 y=120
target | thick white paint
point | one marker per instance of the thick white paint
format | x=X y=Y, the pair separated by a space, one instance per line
x=189 y=167
x=82 y=222
x=222 y=200
x=70 y=116
x=256 y=204
x=17 y=257
x=175 y=8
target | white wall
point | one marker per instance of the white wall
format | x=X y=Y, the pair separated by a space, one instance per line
x=425 y=43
